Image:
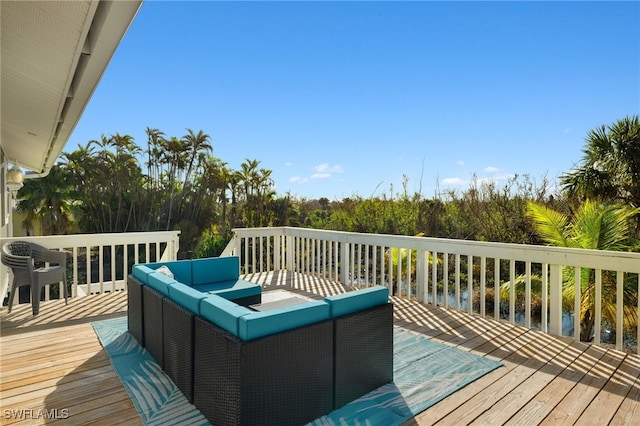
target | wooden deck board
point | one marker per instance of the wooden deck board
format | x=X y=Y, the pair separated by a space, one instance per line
x=55 y=362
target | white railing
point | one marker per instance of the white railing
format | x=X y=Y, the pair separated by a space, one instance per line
x=98 y=263
x=458 y=274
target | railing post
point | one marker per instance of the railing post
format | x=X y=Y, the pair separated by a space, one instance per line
x=276 y=252
x=290 y=252
x=344 y=262
x=555 y=283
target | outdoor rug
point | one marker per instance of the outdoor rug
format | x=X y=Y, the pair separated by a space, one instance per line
x=425 y=372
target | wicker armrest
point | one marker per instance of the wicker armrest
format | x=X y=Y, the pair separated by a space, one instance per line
x=134 y=309
x=152 y=323
x=178 y=334
x=363 y=353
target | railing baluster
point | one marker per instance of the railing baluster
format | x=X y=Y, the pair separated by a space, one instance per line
x=576 y=302
x=445 y=280
x=74 y=288
x=457 y=291
x=374 y=265
x=113 y=267
x=101 y=268
x=512 y=291
x=469 y=284
x=398 y=272
x=597 y=326
x=88 y=268
x=527 y=295
x=619 y=308
x=359 y=266
x=434 y=278
x=483 y=286
x=496 y=288
x=408 y=272
x=545 y=298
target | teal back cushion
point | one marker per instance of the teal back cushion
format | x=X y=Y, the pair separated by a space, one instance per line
x=160 y=282
x=181 y=269
x=354 y=301
x=186 y=296
x=140 y=272
x=259 y=324
x=214 y=269
x=223 y=312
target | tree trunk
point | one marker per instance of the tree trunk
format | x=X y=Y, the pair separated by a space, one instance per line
x=586 y=325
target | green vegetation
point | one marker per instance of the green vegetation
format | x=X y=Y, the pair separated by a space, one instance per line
x=593 y=226
x=115 y=185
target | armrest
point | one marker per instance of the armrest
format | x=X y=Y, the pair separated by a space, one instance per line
x=51 y=256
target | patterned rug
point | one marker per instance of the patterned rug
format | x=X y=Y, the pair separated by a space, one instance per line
x=425 y=372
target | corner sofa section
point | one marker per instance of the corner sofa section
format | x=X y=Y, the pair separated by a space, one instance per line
x=240 y=366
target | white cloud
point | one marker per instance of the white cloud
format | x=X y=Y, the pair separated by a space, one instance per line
x=460 y=163
x=288 y=164
x=326 y=168
x=491 y=169
x=320 y=175
x=453 y=181
x=322 y=171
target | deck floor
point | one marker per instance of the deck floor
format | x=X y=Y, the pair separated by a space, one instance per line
x=54 y=366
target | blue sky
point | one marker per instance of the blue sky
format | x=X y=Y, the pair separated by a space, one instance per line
x=344 y=98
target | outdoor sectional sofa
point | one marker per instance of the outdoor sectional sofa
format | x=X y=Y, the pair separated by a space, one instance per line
x=237 y=365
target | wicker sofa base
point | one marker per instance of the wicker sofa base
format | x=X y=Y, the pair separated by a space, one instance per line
x=292 y=377
x=282 y=379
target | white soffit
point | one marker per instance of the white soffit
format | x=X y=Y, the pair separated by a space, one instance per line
x=53 y=56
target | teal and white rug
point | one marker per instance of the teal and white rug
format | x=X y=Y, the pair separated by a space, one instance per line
x=425 y=372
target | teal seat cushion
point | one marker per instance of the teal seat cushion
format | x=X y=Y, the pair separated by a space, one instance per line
x=222 y=312
x=260 y=324
x=233 y=289
x=140 y=272
x=160 y=282
x=354 y=301
x=213 y=269
x=186 y=296
x=181 y=269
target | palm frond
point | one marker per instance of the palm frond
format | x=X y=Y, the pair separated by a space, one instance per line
x=550 y=224
x=602 y=227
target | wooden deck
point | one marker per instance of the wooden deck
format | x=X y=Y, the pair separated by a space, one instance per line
x=54 y=366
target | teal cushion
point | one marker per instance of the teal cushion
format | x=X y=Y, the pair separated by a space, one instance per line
x=230 y=290
x=181 y=269
x=214 y=269
x=259 y=324
x=160 y=282
x=223 y=312
x=186 y=296
x=140 y=272
x=354 y=301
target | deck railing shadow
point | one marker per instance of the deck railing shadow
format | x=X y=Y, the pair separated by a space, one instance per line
x=514 y=345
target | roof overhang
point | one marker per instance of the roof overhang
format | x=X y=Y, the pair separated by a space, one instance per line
x=53 y=56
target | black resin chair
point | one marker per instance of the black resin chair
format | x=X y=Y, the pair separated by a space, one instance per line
x=22 y=257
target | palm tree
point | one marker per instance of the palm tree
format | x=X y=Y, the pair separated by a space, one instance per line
x=47 y=199
x=198 y=143
x=610 y=168
x=594 y=226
